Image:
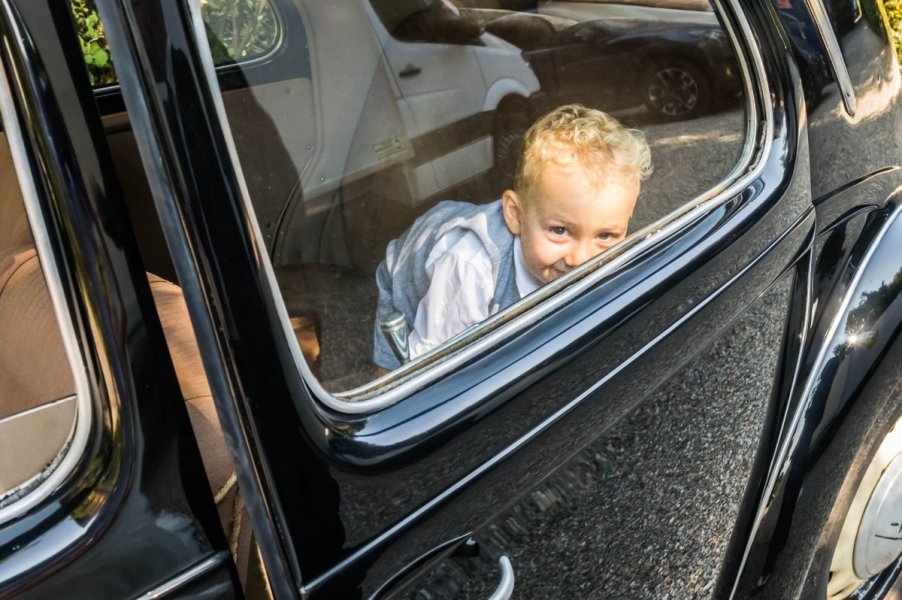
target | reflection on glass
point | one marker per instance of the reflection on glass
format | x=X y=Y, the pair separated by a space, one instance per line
x=372 y=112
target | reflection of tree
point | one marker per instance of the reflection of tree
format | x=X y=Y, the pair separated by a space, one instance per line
x=873 y=304
x=245 y=28
x=237 y=29
x=894 y=15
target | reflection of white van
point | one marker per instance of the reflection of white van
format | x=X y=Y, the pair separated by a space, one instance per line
x=448 y=78
x=416 y=95
x=671 y=11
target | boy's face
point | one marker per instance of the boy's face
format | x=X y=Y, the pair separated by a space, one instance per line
x=569 y=218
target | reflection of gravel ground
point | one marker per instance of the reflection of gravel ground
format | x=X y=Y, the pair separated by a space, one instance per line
x=689 y=158
x=647 y=510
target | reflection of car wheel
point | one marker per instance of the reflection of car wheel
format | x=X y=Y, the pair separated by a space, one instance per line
x=676 y=90
x=866 y=556
x=509 y=131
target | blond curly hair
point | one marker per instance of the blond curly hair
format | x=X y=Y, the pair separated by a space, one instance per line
x=590 y=138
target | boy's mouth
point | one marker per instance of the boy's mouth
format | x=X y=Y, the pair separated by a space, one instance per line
x=556 y=272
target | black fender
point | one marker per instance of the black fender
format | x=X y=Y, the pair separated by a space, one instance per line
x=843 y=398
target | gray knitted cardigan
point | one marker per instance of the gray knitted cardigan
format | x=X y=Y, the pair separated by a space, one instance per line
x=402 y=277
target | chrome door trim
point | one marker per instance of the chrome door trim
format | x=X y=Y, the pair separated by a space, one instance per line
x=505 y=588
x=834 y=54
x=187 y=576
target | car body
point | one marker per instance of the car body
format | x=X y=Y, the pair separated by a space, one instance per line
x=692 y=413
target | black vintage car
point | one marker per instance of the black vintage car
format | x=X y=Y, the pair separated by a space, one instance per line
x=188 y=401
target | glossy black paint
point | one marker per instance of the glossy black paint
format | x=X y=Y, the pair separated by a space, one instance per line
x=525 y=383
x=350 y=506
x=853 y=401
x=141 y=461
x=174 y=115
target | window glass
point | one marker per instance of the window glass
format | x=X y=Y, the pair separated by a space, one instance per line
x=239 y=31
x=37 y=390
x=374 y=112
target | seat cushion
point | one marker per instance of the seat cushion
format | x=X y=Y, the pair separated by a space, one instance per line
x=33 y=359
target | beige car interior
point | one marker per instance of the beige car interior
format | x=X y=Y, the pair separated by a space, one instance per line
x=37 y=391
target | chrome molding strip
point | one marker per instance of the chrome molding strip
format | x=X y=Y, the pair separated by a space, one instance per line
x=834 y=53
x=187 y=576
x=408 y=378
x=264 y=517
x=81 y=428
x=789 y=437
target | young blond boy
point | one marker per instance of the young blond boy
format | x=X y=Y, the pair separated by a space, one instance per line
x=575 y=190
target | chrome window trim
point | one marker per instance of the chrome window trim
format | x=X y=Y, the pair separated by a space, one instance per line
x=416 y=375
x=75 y=446
x=834 y=54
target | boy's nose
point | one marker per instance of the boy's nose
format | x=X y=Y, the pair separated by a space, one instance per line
x=579 y=254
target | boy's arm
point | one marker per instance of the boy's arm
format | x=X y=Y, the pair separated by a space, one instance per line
x=459 y=296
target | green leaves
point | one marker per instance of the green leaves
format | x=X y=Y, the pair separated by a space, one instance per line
x=93 y=43
x=237 y=30
x=894 y=13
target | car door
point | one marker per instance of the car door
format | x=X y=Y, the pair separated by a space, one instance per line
x=116 y=502
x=639 y=394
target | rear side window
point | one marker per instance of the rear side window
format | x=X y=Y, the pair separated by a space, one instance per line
x=404 y=106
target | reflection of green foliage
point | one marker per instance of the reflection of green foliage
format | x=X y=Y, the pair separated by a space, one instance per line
x=93 y=43
x=873 y=304
x=237 y=30
x=894 y=13
x=244 y=29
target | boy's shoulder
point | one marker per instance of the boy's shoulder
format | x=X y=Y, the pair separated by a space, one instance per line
x=486 y=220
x=458 y=208
x=451 y=217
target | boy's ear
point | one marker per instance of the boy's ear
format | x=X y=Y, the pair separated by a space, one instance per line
x=513 y=210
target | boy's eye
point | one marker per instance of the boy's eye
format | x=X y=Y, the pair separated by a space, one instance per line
x=607 y=235
x=558 y=230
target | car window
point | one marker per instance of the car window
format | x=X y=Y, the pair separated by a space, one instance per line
x=343 y=156
x=43 y=423
x=238 y=30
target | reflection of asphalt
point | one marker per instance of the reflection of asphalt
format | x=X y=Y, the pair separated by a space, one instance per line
x=647 y=510
x=689 y=158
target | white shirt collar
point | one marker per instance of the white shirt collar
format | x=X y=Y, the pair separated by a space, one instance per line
x=526 y=283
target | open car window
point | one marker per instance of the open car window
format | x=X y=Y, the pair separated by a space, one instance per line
x=373 y=114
